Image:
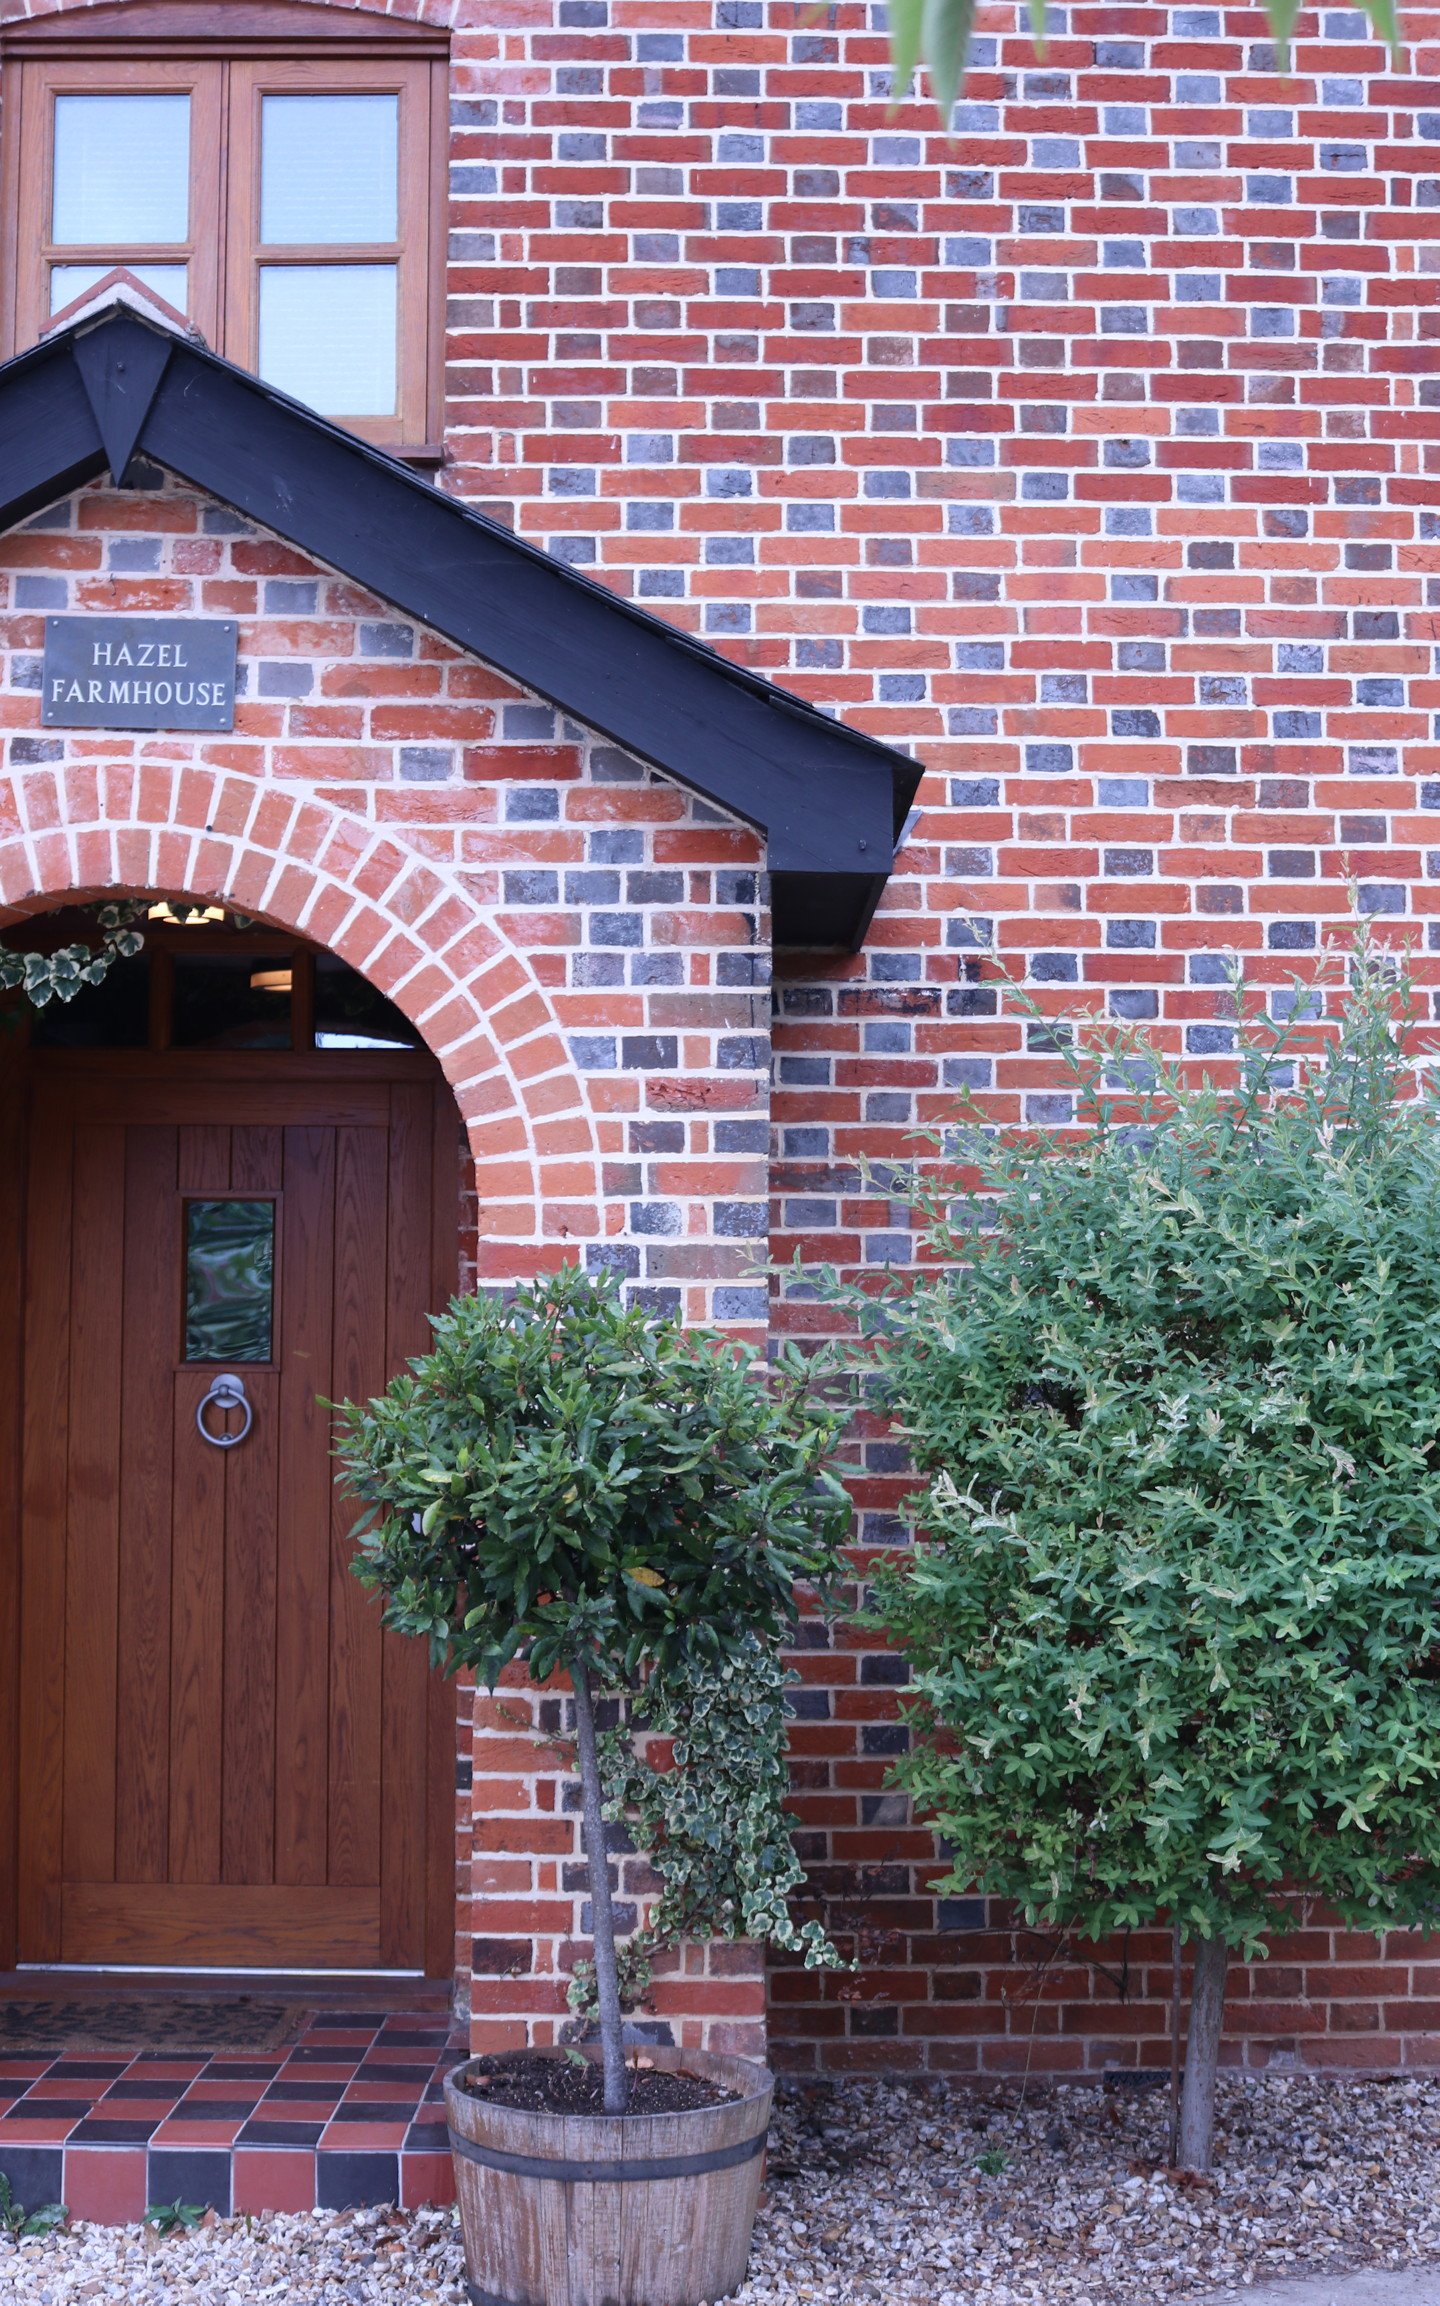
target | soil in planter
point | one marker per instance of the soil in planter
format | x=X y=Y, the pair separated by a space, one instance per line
x=543 y=2085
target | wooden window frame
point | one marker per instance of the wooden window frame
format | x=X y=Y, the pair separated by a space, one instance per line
x=228 y=55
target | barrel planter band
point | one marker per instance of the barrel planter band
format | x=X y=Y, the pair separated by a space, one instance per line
x=610 y=2173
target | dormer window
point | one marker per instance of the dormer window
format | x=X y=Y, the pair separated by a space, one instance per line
x=282 y=190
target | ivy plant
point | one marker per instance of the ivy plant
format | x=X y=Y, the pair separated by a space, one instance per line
x=712 y=1817
x=1172 y=1387
x=567 y=1481
x=59 y=976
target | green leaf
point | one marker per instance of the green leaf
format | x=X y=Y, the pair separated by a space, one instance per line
x=941 y=29
x=906 y=24
x=1282 y=15
x=175 y=2217
x=945 y=39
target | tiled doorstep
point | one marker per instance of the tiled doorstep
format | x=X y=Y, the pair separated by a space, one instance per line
x=352 y=2114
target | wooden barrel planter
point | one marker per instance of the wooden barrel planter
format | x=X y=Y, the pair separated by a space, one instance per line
x=607 y=2210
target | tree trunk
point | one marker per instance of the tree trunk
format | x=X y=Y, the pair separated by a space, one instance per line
x=1202 y=2053
x=607 y=1984
x=1176 y=1944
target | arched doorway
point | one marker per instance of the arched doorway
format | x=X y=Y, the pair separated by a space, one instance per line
x=231 y=1177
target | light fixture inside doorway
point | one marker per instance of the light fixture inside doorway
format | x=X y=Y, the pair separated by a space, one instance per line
x=188 y=917
x=271 y=980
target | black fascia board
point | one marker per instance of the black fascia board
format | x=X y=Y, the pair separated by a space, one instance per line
x=49 y=441
x=829 y=801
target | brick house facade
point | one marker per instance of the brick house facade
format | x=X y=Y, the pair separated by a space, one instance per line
x=1086 y=458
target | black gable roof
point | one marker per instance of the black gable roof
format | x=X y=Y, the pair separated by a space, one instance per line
x=829 y=801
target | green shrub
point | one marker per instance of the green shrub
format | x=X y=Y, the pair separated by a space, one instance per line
x=567 y=1480
x=1173 y=1386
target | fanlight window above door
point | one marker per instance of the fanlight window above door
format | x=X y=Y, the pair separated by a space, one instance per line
x=283 y=191
x=205 y=980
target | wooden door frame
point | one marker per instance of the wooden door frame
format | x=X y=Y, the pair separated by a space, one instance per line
x=13 y=1122
x=286 y=1071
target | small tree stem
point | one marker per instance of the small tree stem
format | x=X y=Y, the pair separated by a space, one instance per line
x=607 y=1982
x=1202 y=2053
x=1176 y=1942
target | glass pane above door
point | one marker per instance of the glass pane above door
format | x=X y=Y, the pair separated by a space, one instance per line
x=121 y=171
x=115 y=1014
x=232 y=1001
x=229 y=1280
x=329 y=171
x=351 y=1013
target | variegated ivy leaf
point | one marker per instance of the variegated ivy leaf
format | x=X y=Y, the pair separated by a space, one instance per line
x=59 y=976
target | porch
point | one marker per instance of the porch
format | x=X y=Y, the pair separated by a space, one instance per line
x=347 y=2109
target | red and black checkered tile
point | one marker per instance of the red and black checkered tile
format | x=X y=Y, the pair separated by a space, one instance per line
x=352 y=2113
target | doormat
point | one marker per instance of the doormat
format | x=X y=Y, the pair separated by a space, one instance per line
x=145 y=2022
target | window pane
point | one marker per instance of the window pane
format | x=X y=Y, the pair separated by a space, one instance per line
x=229 y=1280
x=231 y=1001
x=67 y=281
x=351 y=1013
x=115 y=1014
x=327 y=335
x=328 y=169
x=122 y=170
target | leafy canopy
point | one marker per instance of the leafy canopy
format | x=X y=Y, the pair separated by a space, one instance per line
x=567 y=1477
x=1174 y=1389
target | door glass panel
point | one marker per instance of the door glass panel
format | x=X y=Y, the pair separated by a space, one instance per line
x=67 y=281
x=122 y=170
x=231 y=1001
x=229 y=1280
x=115 y=1014
x=328 y=170
x=351 y=1013
x=327 y=335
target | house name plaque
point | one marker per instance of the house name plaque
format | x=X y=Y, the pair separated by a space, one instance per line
x=139 y=673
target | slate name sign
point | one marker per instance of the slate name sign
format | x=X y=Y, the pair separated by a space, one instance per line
x=139 y=673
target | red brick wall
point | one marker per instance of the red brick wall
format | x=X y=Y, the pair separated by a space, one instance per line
x=1092 y=456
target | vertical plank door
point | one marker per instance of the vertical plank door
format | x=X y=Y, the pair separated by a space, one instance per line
x=223 y=1760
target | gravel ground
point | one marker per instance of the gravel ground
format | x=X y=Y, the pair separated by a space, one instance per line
x=1310 y=2175
x=319 y=2258
x=875 y=2193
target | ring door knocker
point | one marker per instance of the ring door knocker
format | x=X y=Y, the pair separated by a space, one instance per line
x=227 y=1392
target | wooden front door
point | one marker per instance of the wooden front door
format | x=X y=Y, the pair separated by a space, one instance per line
x=222 y=1758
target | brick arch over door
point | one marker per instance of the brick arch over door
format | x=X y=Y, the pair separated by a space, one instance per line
x=437 y=15
x=412 y=928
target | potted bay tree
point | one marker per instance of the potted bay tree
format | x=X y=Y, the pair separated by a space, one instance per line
x=567 y=1483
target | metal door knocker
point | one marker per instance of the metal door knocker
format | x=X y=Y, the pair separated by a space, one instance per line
x=227 y=1392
